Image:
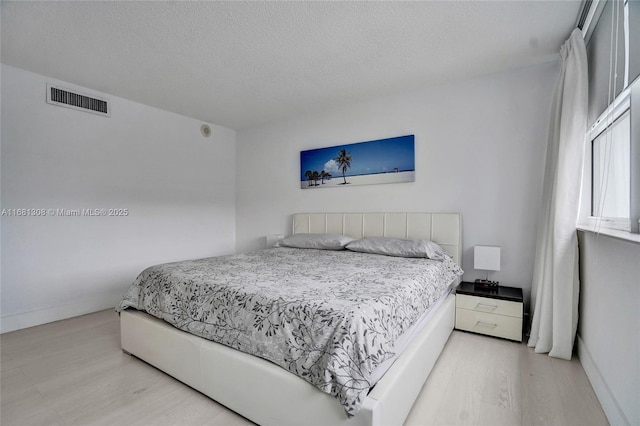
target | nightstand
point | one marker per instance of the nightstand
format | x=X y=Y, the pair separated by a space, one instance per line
x=496 y=312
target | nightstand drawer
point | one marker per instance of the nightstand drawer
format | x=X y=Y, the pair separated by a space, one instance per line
x=487 y=305
x=493 y=325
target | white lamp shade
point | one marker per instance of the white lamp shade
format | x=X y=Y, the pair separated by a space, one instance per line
x=486 y=258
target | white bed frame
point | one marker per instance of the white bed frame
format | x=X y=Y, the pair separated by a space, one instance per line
x=269 y=395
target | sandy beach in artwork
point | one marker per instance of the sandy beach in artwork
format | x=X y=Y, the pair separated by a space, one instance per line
x=337 y=181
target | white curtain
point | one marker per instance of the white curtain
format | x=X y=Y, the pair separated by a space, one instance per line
x=555 y=276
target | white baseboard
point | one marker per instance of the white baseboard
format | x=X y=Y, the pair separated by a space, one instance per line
x=30 y=319
x=610 y=406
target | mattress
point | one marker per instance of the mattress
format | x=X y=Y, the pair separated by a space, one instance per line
x=330 y=317
x=405 y=340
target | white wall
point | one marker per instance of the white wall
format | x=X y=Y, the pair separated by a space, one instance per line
x=480 y=148
x=609 y=328
x=178 y=187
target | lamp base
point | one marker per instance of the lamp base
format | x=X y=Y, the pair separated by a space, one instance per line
x=485 y=285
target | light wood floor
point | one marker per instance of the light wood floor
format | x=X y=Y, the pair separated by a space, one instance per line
x=73 y=372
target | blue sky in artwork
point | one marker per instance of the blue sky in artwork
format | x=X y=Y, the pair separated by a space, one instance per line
x=373 y=157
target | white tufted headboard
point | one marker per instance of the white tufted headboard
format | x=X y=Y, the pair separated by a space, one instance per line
x=442 y=228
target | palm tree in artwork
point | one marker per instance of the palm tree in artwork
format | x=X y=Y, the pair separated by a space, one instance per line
x=344 y=162
x=309 y=176
x=316 y=175
x=323 y=176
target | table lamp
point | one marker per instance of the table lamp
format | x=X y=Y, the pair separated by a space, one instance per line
x=486 y=258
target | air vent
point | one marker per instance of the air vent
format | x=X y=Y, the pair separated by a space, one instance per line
x=61 y=96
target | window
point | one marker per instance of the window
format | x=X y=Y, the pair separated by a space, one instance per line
x=611 y=168
x=611 y=180
x=611 y=184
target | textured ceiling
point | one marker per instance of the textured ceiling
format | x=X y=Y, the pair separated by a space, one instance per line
x=240 y=64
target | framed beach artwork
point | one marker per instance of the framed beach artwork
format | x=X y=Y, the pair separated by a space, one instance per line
x=365 y=163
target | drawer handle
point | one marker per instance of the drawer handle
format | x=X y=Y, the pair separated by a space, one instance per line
x=486 y=324
x=486 y=306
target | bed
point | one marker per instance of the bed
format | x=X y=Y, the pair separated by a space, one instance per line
x=267 y=393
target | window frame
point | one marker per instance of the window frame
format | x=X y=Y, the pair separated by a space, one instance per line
x=617 y=109
x=628 y=99
x=622 y=104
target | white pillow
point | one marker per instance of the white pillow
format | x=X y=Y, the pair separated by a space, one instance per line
x=398 y=247
x=315 y=241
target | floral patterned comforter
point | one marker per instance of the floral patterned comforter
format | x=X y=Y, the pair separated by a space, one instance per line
x=330 y=317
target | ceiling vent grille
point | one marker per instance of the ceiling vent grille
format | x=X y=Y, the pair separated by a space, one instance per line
x=61 y=96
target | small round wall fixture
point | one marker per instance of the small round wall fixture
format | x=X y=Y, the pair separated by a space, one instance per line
x=205 y=130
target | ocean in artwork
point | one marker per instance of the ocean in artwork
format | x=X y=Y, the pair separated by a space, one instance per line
x=381 y=161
